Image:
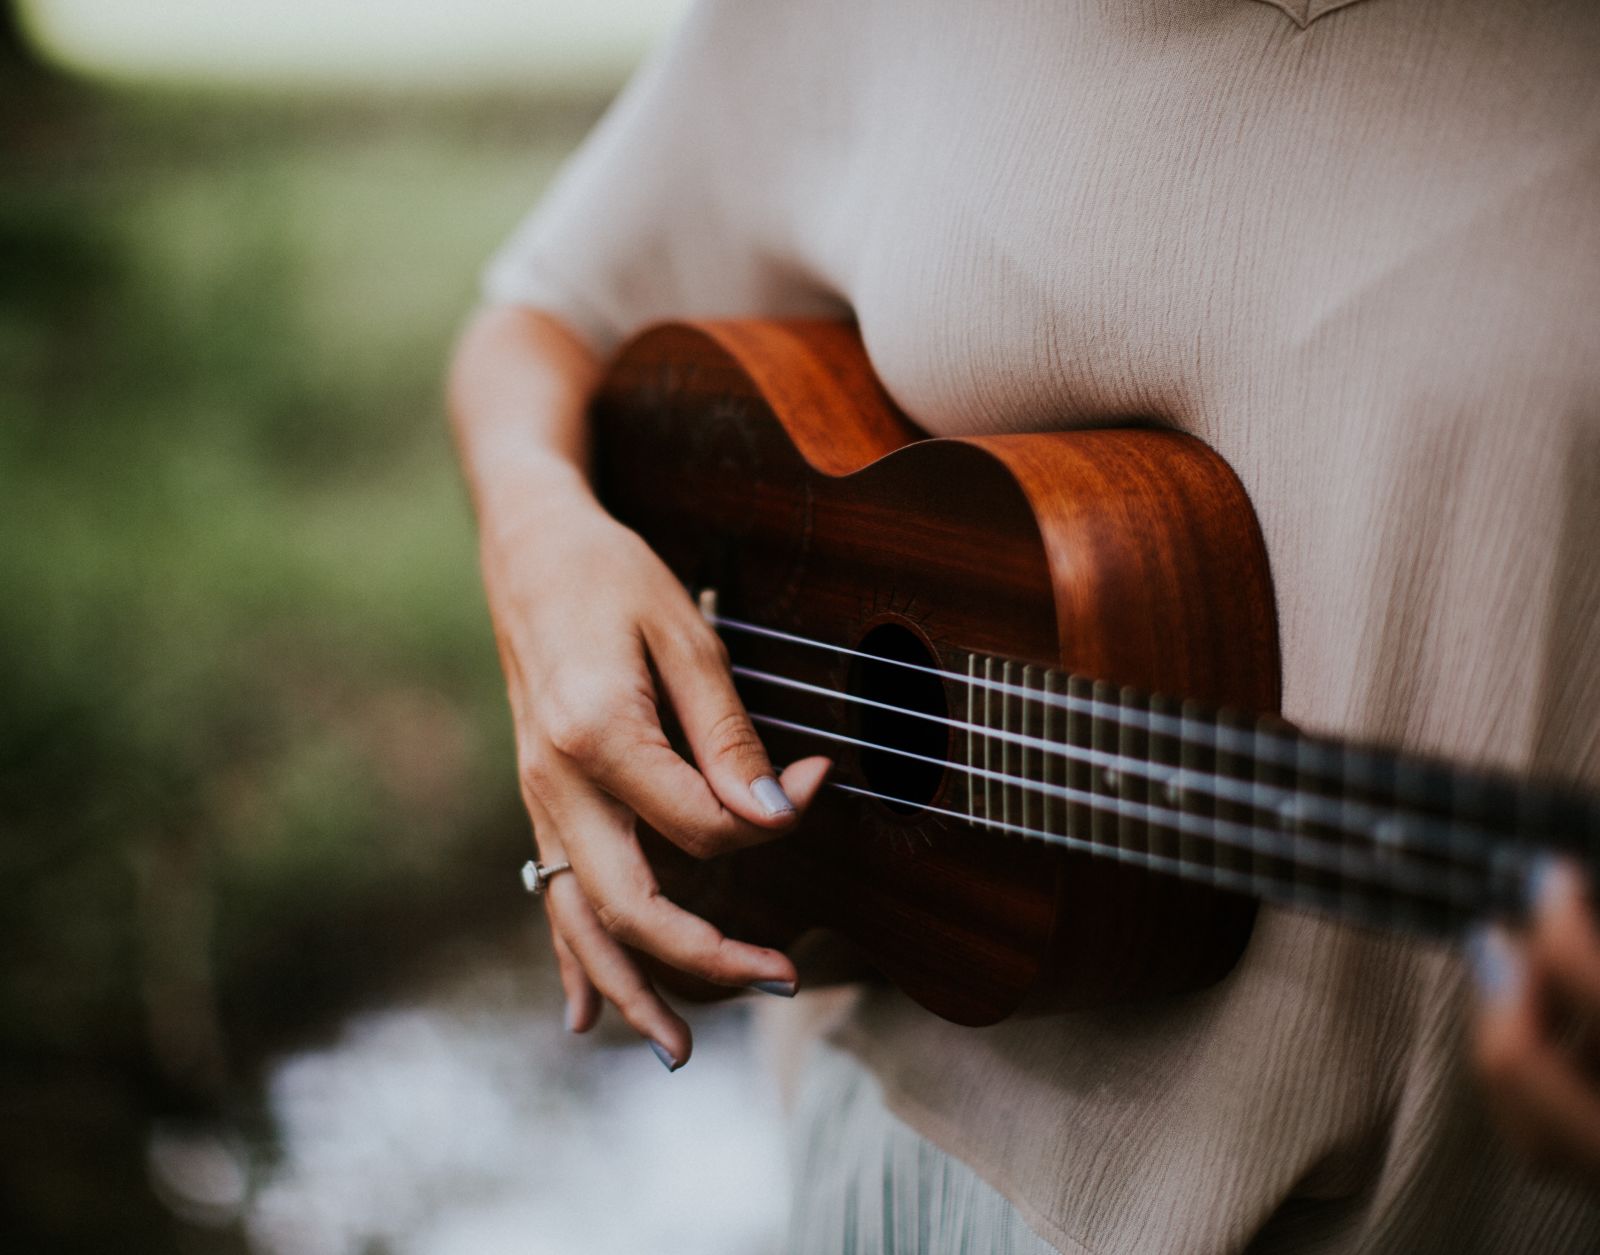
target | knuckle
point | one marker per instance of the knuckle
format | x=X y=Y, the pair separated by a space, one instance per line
x=635 y=1000
x=733 y=736
x=709 y=651
x=693 y=843
x=720 y=963
x=576 y=718
x=573 y=732
x=689 y=640
x=609 y=915
x=701 y=842
x=621 y=920
x=534 y=775
x=629 y=993
x=637 y=1010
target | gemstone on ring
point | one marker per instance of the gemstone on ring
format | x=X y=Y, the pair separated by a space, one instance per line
x=536 y=877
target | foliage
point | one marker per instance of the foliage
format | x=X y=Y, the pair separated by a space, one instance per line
x=253 y=754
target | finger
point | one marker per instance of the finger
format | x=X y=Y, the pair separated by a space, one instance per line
x=1563 y=942
x=1542 y=1100
x=583 y=1000
x=802 y=779
x=645 y=773
x=629 y=904
x=616 y=975
x=669 y=795
x=693 y=665
x=605 y=728
x=618 y=882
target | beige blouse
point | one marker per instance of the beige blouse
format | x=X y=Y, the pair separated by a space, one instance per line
x=1355 y=246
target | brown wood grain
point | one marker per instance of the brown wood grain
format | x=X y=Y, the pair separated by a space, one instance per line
x=765 y=460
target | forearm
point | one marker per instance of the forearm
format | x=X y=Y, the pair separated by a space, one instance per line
x=519 y=389
x=589 y=623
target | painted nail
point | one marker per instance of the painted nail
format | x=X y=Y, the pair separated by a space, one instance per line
x=1551 y=880
x=1544 y=873
x=782 y=988
x=665 y=1055
x=1495 y=964
x=770 y=797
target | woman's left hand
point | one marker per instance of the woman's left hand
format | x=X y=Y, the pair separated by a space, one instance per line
x=1537 y=1031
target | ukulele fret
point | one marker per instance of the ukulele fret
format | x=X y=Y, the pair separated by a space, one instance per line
x=1125 y=784
x=1009 y=721
x=1080 y=735
x=1104 y=827
x=972 y=737
x=1197 y=760
x=1236 y=806
x=1055 y=733
x=991 y=709
x=1166 y=789
x=1030 y=757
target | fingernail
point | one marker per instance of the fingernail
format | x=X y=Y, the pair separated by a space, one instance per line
x=572 y=1018
x=770 y=797
x=1496 y=965
x=1549 y=878
x=1541 y=879
x=783 y=988
x=665 y=1055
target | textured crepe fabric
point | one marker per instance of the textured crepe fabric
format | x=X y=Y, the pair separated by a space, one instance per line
x=1354 y=247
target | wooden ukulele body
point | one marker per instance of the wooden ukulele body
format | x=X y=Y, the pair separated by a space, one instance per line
x=763 y=460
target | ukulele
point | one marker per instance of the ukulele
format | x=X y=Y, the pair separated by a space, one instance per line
x=1047 y=669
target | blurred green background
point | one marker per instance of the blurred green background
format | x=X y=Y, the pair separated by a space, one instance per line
x=254 y=758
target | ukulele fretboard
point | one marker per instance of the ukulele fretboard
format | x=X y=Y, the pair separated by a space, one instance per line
x=1250 y=804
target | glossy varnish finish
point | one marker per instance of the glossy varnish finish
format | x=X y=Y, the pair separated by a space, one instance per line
x=764 y=460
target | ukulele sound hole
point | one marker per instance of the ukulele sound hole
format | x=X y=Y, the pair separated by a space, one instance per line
x=909 y=695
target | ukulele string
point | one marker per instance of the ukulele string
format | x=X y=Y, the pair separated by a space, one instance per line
x=1387 y=828
x=1226 y=740
x=1303 y=755
x=1299 y=849
x=1341 y=902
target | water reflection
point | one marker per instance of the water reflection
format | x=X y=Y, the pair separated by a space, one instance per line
x=467 y=1122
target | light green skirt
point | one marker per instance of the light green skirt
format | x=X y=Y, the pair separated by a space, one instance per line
x=867 y=1184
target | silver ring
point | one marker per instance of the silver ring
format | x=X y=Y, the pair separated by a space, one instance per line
x=536 y=876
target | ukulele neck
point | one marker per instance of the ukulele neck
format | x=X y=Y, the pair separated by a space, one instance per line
x=1247 y=804
x=1252 y=805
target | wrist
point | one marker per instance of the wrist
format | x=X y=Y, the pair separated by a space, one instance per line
x=532 y=502
x=510 y=482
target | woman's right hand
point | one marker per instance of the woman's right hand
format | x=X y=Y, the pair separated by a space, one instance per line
x=595 y=633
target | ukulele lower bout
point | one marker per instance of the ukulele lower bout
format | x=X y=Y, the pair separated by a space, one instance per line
x=913 y=608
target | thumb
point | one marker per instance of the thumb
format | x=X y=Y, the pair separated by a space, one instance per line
x=726 y=747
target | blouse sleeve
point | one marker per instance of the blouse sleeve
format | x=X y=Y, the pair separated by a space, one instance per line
x=674 y=205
